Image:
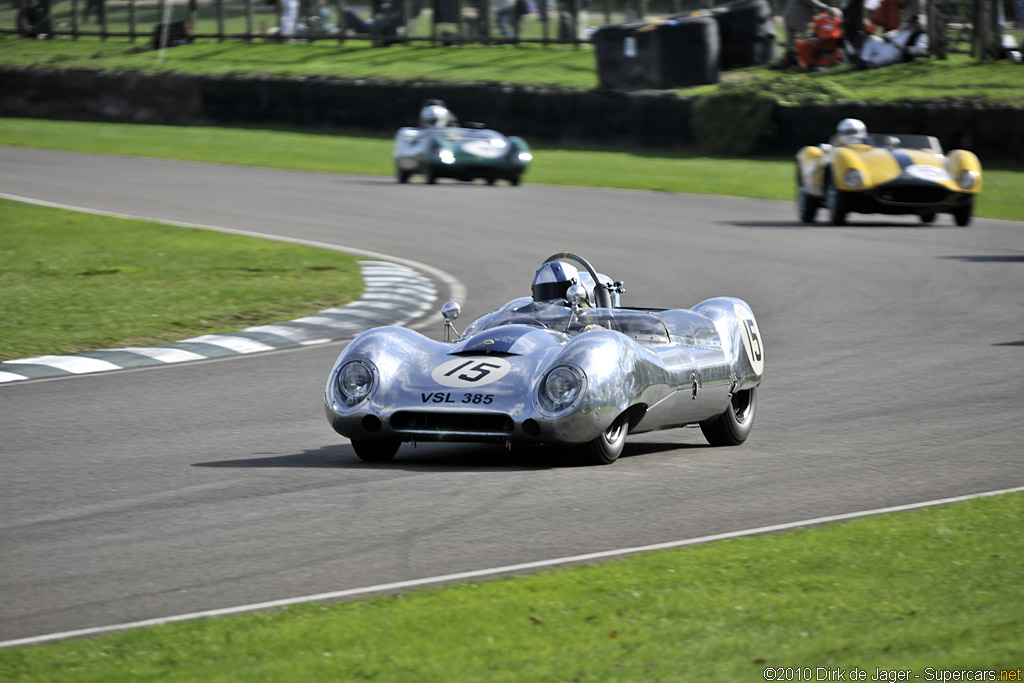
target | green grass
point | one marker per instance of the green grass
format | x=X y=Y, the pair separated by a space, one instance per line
x=73 y=282
x=939 y=588
x=958 y=77
x=640 y=169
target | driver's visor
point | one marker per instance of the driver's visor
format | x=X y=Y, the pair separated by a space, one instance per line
x=550 y=291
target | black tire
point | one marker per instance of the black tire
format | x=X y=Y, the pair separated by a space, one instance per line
x=928 y=217
x=962 y=214
x=376 y=450
x=490 y=180
x=402 y=176
x=806 y=205
x=836 y=201
x=732 y=427
x=430 y=176
x=514 y=180
x=605 y=449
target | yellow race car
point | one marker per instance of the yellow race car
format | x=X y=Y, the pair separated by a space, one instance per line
x=890 y=174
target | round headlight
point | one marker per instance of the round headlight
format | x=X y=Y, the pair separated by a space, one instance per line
x=965 y=180
x=446 y=156
x=853 y=178
x=354 y=381
x=525 y=157
x=562 y=386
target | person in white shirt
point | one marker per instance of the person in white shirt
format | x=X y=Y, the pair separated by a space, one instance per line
x=901 y=45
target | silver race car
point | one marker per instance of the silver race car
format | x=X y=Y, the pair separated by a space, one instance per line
x=440 y=148
x=567 y=366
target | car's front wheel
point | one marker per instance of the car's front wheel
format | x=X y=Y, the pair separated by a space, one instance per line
x=375 y=450
x=605 y=449
x=732 y=427
x=806 y=206
x=962 y=214
x=836 y=201
x=402 y=175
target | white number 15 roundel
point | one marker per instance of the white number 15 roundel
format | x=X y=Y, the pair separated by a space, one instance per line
x=751 y=338
x=465 y=372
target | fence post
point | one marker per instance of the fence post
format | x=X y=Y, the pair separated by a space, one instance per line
x=484 y=19
x=458 y=18
x=220 y=20
x=248 y=19
x=103 y=19
x=340 y=4
x=74 y=18
x=544 y=21
x=131 y=19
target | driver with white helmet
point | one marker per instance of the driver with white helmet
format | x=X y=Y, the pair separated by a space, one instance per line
x=435 y=115
x=851 y=132
x=552 y=281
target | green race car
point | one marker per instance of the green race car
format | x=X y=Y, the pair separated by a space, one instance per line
x=439 y=148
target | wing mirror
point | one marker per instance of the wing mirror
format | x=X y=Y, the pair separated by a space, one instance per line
x=577 y=296
x=450 y=311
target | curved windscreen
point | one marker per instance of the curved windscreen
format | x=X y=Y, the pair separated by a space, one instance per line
x=642 y=326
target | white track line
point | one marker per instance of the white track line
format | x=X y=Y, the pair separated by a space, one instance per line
x=495 y=571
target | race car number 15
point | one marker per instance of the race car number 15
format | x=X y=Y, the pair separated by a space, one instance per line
x=463 y=372
x=751 y=338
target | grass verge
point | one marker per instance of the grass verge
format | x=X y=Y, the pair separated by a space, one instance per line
x=351 y=152
x=939 y=588
x=75 y=281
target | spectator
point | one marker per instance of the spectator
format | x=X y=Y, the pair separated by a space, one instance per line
x=896 y=46
x=886 y=15
x=823 y=49
x=797 y=16
x=386 y=20
x=34 y=18
x=510 y=14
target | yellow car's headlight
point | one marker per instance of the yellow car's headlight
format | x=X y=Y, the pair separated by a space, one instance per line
x=966 y=179
x=853 y=179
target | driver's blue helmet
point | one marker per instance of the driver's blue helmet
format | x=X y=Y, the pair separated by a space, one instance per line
x=552 y=280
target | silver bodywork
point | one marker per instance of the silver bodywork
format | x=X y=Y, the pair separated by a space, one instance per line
x=657 y=369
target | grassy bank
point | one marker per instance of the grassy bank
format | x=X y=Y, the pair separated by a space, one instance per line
x=640 y=169
x=939 y=588
x=958 y=77
x=73 y=282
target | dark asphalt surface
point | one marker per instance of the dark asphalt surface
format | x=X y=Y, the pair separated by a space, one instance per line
x=893 y=375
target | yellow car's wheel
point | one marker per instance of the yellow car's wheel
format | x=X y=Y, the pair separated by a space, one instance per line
x=962 y=214
x=806 y=205
x=835 y=199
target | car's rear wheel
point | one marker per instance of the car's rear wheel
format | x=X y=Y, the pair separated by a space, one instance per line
x=514 y=180
x=375 y=450
x=962 y=214
x=837 y=203
x=732 y=427
x=605 y=449
x=430 y=176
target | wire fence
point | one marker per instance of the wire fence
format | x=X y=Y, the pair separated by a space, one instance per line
x=386 y=22
x=383 y=21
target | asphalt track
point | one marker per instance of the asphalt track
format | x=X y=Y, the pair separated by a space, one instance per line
x=893 y=375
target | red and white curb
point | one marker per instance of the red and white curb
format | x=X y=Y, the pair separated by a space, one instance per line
x=394 y=295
